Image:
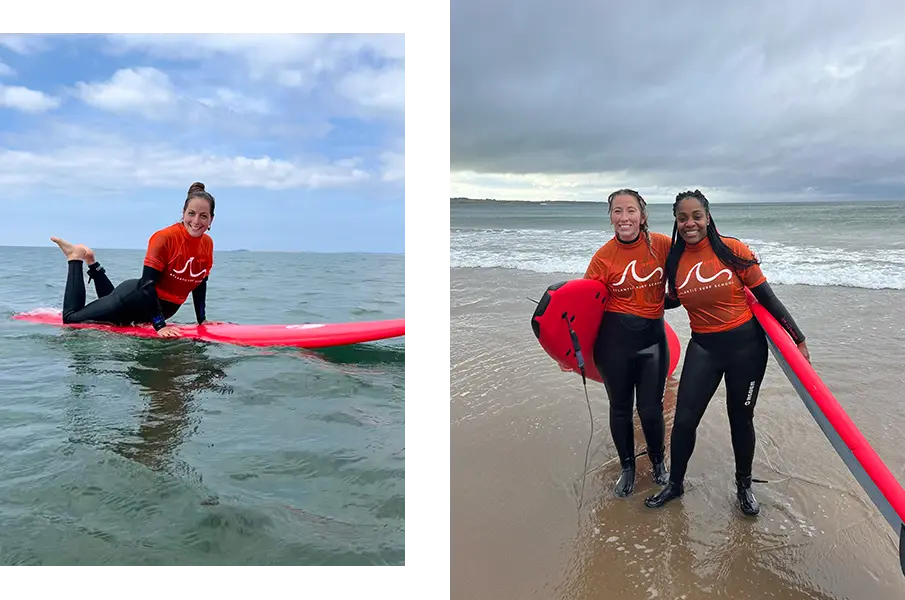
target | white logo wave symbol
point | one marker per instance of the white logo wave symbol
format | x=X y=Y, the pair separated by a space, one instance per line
x=697 y=273
x=305 y=326
x=631 y=267
x=188 y=264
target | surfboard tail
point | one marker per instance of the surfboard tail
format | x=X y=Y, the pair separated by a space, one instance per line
x=858 y=455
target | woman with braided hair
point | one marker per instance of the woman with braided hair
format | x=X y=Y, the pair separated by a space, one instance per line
x=178 y=262
x=631 y=351
x=707 y=273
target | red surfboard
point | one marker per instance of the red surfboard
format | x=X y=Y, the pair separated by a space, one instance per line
x=302 y=335
x=578 y=304
x=851 y=446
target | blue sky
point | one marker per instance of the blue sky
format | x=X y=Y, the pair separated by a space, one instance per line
x=301 y=138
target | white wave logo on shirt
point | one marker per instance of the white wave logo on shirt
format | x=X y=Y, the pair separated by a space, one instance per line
x=630 y=268
x=696 y=271
x=188 y=267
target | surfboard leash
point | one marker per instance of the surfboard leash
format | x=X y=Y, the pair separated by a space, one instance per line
x=584 y=382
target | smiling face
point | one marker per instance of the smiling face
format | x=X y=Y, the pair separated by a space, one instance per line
x=692 y=220
x=197 y=216
x=626 y=217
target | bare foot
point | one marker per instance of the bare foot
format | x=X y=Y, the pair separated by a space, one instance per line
x=71 y=251
x=89 y=254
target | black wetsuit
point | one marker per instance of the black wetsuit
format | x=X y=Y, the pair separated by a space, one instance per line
x=132 y=301
x=632 y=356
x=740 y=356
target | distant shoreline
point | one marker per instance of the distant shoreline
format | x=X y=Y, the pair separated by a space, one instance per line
x=216 y=251
x=461 y=200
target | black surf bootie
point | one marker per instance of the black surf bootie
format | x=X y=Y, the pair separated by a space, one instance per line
x=625 y=485
x=658 y=469
x=746 y=500
x=670 y=492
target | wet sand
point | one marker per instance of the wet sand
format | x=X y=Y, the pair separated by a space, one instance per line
x=519 y=433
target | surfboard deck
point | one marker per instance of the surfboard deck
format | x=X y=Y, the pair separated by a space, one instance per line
x=580 y=303
x=858 y=455
x=301 y=335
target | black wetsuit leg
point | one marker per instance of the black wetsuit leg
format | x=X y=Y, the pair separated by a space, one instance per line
x=651 y=365
x=102 y=284
x=632 y=355
x=741 y=356
x=123 y=305
x=744 y=375
x=701 y=376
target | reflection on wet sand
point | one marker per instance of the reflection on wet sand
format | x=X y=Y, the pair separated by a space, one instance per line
x=698 y=546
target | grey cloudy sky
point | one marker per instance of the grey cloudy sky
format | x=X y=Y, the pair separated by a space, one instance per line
x=757 y=101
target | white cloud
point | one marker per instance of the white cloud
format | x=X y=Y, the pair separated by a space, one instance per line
x=6 y=70
x=297 y=61
x=236 y=102
x=144 y=90
x=84 y=161
x=294 y=61
x=393 y=164
x=291 y=78
x=537 y=186
x=22 y=43
x=151 y=92
x=322 y=51
x=26 y=100
x=373 y=88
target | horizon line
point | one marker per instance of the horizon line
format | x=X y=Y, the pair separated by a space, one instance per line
x=603 y=201
x=142 y=249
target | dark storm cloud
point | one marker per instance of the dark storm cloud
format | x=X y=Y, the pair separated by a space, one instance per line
x=759 y=97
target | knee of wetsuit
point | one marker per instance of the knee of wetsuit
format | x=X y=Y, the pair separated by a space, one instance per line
x=621 y=409
x=651 y=412
x=683 y=422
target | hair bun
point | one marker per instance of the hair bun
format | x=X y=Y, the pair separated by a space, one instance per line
x=196 y=187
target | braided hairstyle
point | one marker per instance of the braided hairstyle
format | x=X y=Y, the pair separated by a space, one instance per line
x=642 y=205
x=722 y=251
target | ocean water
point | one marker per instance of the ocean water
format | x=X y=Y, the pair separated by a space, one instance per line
x=520 y=427
x=116 y=450
x=853 y=245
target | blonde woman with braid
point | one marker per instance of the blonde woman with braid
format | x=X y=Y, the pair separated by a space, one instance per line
x=631 y=351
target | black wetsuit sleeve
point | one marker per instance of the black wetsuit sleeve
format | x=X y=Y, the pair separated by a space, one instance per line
x=670 y=303
x=148 y=288
x=199 y=296
x=764 y=294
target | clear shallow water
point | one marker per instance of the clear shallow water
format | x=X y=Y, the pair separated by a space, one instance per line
x=118 y=450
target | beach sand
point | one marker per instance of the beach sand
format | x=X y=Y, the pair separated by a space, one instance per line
x=519 y=433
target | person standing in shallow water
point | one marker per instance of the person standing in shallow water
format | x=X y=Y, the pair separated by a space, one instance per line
x=178 y=261
x=708 y=273
x=631 y=351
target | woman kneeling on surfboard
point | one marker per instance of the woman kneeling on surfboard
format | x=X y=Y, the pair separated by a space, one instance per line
x=708 y=274
x=178 y=262
x=631 y=351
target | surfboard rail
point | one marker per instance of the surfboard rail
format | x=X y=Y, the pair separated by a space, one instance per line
x=301 y=335
x=858 y=455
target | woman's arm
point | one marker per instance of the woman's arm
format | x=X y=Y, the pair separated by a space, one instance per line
x=148 y=287
x=764 y=294
x=199 y=296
